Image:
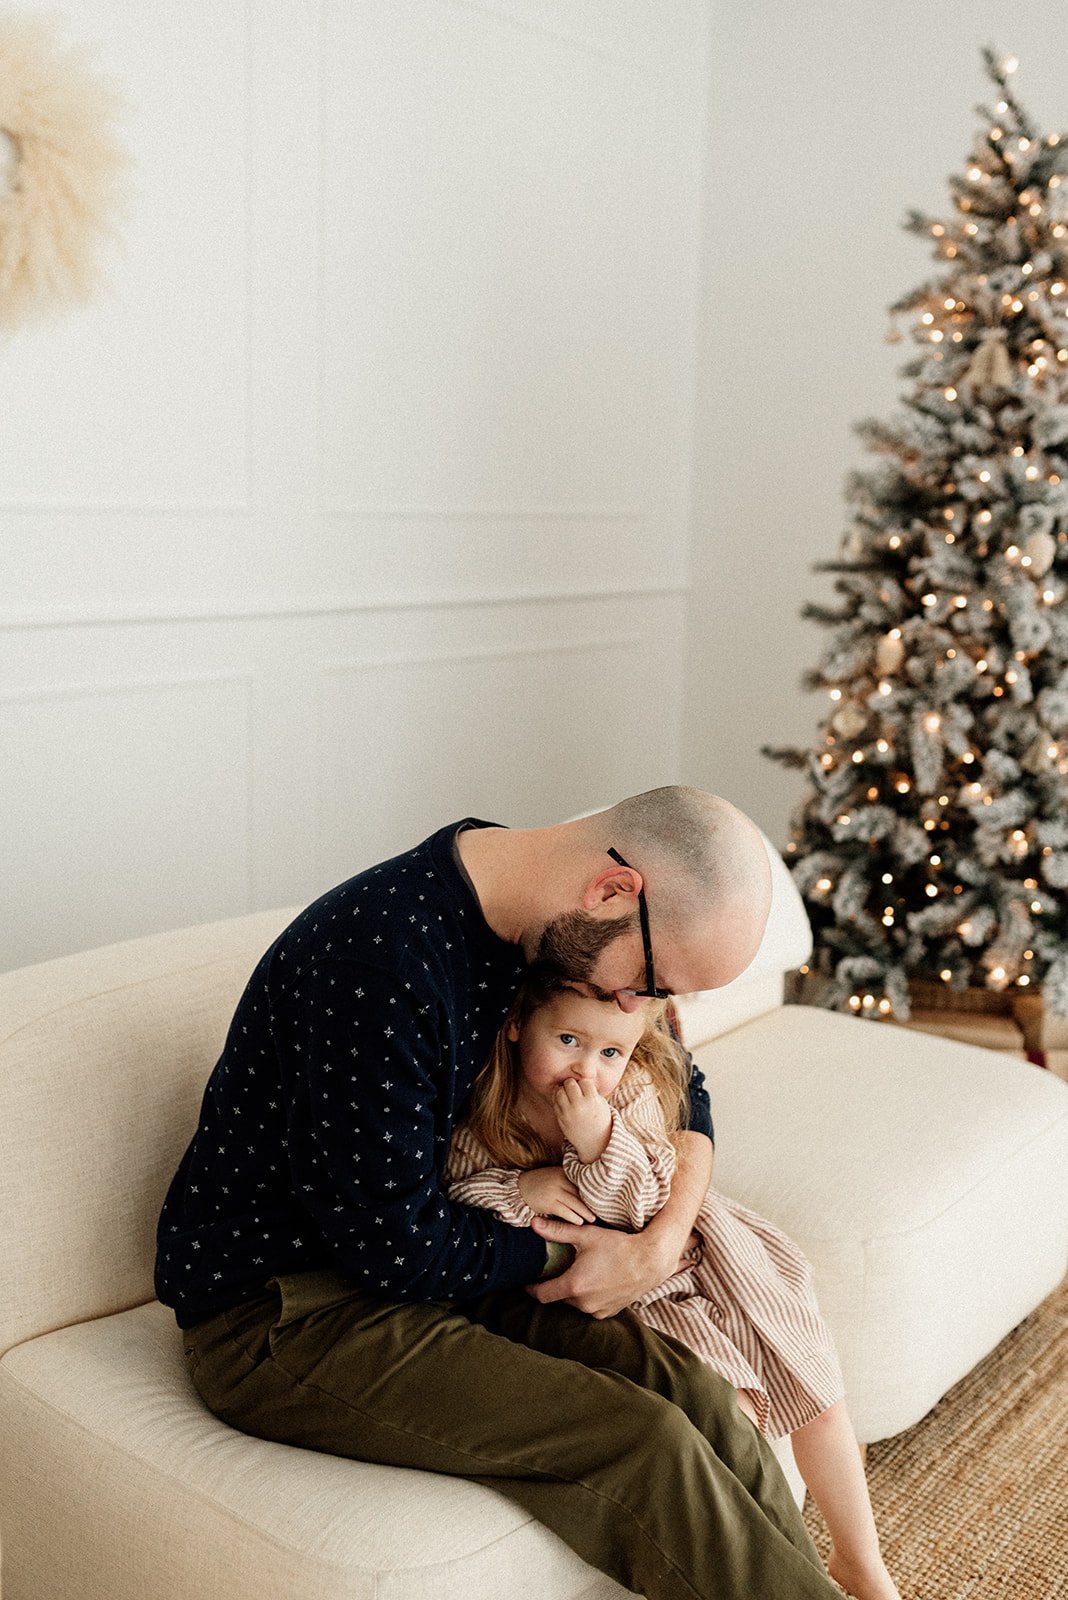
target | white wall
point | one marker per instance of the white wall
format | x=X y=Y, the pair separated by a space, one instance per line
x=361 y=498
x=829 y=121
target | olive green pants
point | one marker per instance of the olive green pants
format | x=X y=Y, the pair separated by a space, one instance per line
x=618 y=1438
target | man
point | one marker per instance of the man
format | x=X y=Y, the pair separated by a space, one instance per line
x=306 y=1233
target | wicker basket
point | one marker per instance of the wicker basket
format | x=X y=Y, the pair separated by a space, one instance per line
x=927 y=996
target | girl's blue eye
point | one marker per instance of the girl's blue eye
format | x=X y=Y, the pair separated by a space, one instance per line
x=567 y=1038
x=610 y=1051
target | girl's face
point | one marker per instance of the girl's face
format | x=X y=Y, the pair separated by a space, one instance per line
x=571 y=1036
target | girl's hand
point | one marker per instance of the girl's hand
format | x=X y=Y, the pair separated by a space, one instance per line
x=585 y=1118
x=550 y=1192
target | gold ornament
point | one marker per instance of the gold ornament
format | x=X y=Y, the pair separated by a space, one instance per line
x=990 y=366
x=849 y=720
x=1036 y=758
x=889 y=653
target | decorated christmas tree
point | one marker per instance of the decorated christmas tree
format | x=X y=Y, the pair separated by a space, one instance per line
x=931 y=845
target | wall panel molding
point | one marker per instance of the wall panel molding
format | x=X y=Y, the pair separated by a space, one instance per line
x=329 y=605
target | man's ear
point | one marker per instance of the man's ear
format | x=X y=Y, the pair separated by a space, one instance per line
x=615 y=880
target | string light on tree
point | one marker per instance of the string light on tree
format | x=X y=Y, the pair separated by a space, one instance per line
x=947 y=672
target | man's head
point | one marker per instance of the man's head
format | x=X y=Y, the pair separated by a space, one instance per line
x=704 y=870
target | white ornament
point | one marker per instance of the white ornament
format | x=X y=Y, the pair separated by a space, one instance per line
x=1041 y=547
x=889 y=653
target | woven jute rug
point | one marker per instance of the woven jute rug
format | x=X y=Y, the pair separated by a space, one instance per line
x=972 y=1503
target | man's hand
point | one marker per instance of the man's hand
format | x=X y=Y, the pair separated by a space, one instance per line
x=549 y=1191
x=585 y=1118
x=611 y=1269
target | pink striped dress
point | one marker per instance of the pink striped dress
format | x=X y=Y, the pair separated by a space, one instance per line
x=744 y=1303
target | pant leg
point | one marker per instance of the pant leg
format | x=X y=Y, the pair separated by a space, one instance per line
x=667 y=1366
x=618 y=1471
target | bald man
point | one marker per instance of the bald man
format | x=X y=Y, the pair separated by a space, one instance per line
x=331 y=1296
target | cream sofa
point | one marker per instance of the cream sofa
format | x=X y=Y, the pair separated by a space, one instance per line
x=924 y=1179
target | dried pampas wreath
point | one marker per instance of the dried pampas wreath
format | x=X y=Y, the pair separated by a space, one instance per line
x=60 y=168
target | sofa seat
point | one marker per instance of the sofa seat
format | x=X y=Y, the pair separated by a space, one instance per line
x=924 y=1179
x=103 y=1415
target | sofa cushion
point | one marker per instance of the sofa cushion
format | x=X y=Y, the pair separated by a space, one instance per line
x=109 y=1051
x=923 y=1178
x=787 y=942
x=143 y=1491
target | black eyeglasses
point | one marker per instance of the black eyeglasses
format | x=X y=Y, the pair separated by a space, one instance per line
x=650 y=992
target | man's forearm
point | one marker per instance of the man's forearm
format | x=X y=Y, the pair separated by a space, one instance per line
x=673 y=1223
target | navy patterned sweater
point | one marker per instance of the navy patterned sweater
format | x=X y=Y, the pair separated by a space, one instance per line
x=325 y=1124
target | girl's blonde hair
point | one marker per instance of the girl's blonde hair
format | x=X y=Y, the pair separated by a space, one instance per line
x=494 y=1116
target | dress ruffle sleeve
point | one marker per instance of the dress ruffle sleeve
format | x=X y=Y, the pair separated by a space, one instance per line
x=631 y=1179
x=470 y=1181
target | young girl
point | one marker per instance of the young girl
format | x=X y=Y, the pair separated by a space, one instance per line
x=572 y=1117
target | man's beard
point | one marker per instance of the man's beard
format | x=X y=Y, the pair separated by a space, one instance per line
x=572 y=943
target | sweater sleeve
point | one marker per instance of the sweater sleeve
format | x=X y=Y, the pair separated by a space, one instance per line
x=631 y=1179
x=700 y=1105
x=368 y=1129
x=470 y=1180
